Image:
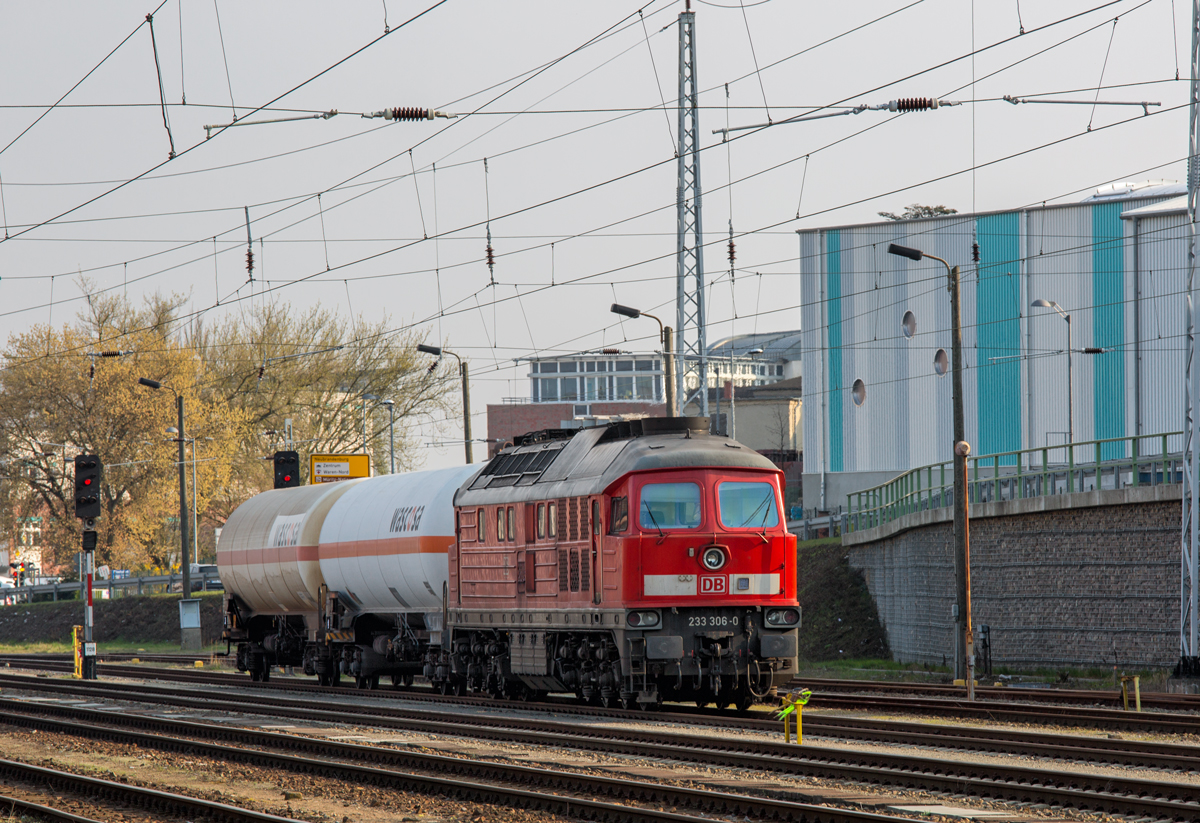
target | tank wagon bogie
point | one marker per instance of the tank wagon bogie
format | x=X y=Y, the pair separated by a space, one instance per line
x=628 y=564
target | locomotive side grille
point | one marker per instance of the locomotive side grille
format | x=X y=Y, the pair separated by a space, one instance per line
x=573 y=517
x=562 y=518
x=574 y=570
x=585 y=569
x=562 y=570
x=583 y=520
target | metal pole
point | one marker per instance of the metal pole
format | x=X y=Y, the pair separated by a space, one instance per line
x=720 y=391
x=668 y=370
x=691 y=334
x=1070 y=390
x=466 y=387
x=969 y=637
x=89 y=646
x=960 y=474
x=183 y=507
x=1189 y=663
x=392 y=437
x=195 y=508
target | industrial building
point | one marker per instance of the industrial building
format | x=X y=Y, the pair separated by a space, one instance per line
x=877 y=344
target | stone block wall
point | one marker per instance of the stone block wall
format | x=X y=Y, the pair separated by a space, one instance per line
x=1093 y=585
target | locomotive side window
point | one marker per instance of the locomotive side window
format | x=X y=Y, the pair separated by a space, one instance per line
x=618 y=520
x=541 y=521
x=670 y=506
x=500 y=535
x=553 y=521
x=512 y=524
x=481 y=521
x=595 y=517
x=747 y=505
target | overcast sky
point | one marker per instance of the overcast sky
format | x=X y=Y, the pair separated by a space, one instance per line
x=566 y=102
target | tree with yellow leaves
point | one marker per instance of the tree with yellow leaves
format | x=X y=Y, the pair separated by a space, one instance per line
x=59 y=396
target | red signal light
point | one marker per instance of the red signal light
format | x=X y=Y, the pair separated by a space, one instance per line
x=287 y=478
x=87 y=482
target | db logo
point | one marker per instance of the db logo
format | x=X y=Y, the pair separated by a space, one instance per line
x=713 y=584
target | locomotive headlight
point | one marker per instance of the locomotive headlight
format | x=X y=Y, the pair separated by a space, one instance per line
x=713 y=559
x=642 y=620
x=783 y=617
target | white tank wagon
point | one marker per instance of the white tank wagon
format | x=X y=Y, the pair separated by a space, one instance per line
x=380 y=554
x=268 y=560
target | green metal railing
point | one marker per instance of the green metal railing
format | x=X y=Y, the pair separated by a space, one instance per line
x=1015 y=475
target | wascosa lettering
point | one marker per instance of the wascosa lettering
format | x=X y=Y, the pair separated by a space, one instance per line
x=284 y=534
x=406 y=519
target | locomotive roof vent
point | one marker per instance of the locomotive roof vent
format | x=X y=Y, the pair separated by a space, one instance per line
x=692 y=426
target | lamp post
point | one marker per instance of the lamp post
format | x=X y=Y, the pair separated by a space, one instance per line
x=664 y=335
x=365 y=398
x=195 y=493
x=964 y=643
x=438 y=351
x=185 y=562
x=1050 y=304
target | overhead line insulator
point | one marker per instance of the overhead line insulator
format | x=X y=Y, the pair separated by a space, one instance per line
x=409 y=113
x=913 y=104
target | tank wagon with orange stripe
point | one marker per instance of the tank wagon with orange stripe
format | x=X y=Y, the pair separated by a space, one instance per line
x=630 y=564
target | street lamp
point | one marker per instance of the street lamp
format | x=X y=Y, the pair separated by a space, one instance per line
x=391 y=404
x=183 y=537
x=964 y=644
x=438 y=351
x=664 y=334
x=195 y=493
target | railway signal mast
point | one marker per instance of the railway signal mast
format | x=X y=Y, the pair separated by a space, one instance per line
x=691 y=341
x=87 y=509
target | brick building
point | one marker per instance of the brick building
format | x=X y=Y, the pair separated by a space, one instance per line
x=508 y=420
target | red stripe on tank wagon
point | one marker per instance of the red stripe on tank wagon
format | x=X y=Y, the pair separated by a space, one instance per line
x=424 y=544
x=283 y=554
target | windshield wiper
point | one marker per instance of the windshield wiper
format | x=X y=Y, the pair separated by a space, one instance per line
x=661 y=534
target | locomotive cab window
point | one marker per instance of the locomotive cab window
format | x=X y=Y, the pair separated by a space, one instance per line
x=541 y=521
x=512 y=524
x=481 y=522
x=552 y=525
x=500 y=535
x=618 y=515
x=669 y=506
x=747 y=505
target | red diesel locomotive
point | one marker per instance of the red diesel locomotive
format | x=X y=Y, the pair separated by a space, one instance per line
x=633 y=563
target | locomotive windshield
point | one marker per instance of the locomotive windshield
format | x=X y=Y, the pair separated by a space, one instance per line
x=749 y=505
x=669 y=506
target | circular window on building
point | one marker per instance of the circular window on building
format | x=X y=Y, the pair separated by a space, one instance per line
x=941 y=363
x=909 y=324
x=859 y=392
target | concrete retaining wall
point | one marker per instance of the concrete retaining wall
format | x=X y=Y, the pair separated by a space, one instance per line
x=1088 y=579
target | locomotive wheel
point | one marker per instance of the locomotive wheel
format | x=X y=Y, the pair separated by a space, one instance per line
x=335 y=677
x=360 y=682
x=460 y=688
x=265 y=675
x=255 y=675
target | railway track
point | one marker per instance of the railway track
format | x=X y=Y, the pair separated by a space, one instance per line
x=99 y=792
x=1131 y=753
x=1109 y=720
x=574 y=794
x=1077 y=697
x=1103 y=793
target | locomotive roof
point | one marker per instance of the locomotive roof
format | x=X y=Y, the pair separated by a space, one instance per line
x=547 y=464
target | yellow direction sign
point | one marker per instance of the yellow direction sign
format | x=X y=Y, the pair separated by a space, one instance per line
x=328 y=468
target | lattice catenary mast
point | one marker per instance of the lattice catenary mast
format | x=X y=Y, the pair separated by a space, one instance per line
x=1189 y=663
x=690 y=338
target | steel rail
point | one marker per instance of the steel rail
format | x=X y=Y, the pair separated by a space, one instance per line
x=152 y=800
x=467 y=775
x=1101 y=793
x=1131 y=753
x=1107 y=719
x=12 y=804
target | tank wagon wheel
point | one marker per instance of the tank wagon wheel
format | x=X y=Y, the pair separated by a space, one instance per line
x=255 y=675
x=460 y=688
x=265 y=675
x=373 y=682
x=402 y=681
x=701 y=703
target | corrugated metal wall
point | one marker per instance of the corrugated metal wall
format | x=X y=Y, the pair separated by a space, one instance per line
x=1123 y=296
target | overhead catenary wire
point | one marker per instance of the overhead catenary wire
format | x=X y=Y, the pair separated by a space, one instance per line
x=161 y=92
